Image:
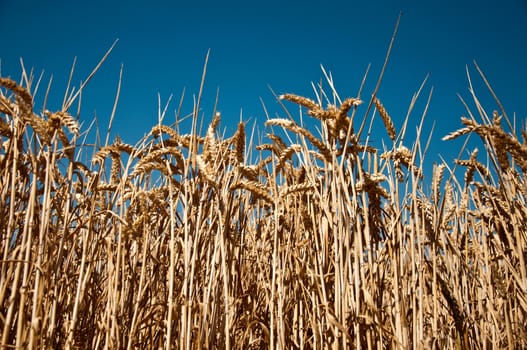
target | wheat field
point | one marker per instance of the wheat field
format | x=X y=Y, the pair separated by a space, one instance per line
x=311 y=238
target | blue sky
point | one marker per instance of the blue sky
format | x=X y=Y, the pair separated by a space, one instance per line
x=162 y=46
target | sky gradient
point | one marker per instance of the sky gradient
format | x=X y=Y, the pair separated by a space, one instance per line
x=262 y=44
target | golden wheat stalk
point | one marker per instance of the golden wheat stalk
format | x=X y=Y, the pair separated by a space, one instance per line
x=58 y=119
x=6 y=106
x=286 y=154
x=325 y=115
x=157 y=155
x=25 y=96
x=277 y=140
x=388 y=123
x=251 y=172
x=175 y=138
x=239 y=142
x=470 y=127
x=342 y=121
x=40 y=127
x=456 y=134
x=211 y=147
x=206 y=171
x=158 y=130
x=300 y=100
x=437 y=179
x=292 y=126
x=322 y=148
x=256 y=188
x=370 y=183
x=285 y=123
x=473 y=165
x=267 y=147
x=115 y=169
x=168 y=170
x=298 y=188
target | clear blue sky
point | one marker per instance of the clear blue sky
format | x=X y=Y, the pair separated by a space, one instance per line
x=256 y=44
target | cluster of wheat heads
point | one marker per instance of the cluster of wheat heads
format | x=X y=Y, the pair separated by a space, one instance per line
x=315 y=239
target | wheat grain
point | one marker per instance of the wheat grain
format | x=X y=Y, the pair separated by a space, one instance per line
x=277 y=141
x=206 y=171
x=239 y=142
x=303 y=101
x=156 y=156
x=115 y=169
x=286 y=123
x=163 y=129
x=286 y=154
x=437 y=179
x=40 y=127
x=251 y=172
x=322 y=148
x=299 y=188
x=267 y=147
x=168 y=170
x=348 y=103
x=388 y=123
x=256 y=188
x=26 y=100
x=370 y=184
x=6 y=106
x=324 y=115
x=59 y=119
x=108 y=187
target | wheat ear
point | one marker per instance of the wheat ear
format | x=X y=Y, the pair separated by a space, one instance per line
x=388 y=123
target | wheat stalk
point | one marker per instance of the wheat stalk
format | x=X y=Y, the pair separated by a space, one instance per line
x=256 y=188
x=388 y=123
x=25 y=98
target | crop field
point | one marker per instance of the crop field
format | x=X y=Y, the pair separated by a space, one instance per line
x=309 y=238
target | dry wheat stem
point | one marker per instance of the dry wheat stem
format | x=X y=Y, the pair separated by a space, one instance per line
x=192 y=241
x=388 y=123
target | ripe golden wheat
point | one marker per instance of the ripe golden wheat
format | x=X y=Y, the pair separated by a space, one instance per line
x=191 y=241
